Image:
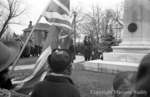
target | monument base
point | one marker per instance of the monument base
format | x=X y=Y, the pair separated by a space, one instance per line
x=135 y=39
x=123 y=58
x=131 y=54
x=109 y=66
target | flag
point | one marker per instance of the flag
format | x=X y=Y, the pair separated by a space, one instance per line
x=66 y=42
x=38 y=73
x=52 y=38
x=58 y=16
x=58 y=13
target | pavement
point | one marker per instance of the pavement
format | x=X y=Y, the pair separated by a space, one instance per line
x=93 y=65
x=31 y=66
x=98 y=66
x=78 y=59
x=109 y=66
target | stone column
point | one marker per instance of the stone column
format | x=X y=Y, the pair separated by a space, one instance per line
x=136 y=13
x=136 y=33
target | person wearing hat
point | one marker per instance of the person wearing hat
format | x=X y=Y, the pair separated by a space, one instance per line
x=8 y=53
x=57 y=83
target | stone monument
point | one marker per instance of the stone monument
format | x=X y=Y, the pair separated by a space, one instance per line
x=136 y=40
x=136 y=33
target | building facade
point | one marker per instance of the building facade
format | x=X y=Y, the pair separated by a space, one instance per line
x=38 y=36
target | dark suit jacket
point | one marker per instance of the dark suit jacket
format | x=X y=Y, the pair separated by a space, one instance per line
x=55 y=86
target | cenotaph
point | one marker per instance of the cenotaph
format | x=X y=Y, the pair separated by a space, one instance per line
x=136 y=33
x=135 y=40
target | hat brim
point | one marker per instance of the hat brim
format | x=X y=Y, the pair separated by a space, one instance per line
x=14 y=49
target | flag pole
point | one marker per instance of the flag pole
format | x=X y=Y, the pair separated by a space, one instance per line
x=74 y=29
x=15 y=62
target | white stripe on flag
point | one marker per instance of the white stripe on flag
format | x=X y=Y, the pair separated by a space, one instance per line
x=43 y=76
x=50 y=15
x=59 y=24
x=58 y=14
x=62 y=6
x=62 y=37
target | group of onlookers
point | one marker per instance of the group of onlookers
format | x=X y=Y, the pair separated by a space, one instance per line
x=30 y=49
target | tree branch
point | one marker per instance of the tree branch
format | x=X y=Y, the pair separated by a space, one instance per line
x=13 y=8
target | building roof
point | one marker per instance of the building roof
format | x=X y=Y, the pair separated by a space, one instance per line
x=39 y=26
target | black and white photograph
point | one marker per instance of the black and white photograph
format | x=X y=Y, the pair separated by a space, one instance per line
x=74 y=48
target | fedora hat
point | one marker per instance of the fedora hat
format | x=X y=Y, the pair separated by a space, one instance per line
x=8 y=53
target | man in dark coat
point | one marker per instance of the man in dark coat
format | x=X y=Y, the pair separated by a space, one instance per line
x=57 y=82
x=72 y=52
x=87 y=48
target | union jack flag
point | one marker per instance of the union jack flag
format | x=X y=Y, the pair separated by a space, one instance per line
x=58 y=13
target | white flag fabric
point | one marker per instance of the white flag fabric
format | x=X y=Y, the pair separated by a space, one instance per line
x=37 y=73
x=58 y=16
x=58 y=13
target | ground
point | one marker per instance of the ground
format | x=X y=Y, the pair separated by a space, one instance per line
x=26 y=61
x=90 y=84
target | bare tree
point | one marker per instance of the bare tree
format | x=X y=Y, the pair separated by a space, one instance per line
x=78 y=21
x=12 y=10
x=98 y=22
x=92 y=23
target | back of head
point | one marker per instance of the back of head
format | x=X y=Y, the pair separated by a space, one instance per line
x=144 y=67
x=59 y=60
x=124 y=79
x=143 y=76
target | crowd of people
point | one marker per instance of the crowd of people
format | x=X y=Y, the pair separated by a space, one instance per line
x=58 y=82
x=30 y=49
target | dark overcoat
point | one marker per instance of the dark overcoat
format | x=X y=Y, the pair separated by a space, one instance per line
x=55 y=86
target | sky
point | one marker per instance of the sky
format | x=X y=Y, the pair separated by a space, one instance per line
x=36 y=7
